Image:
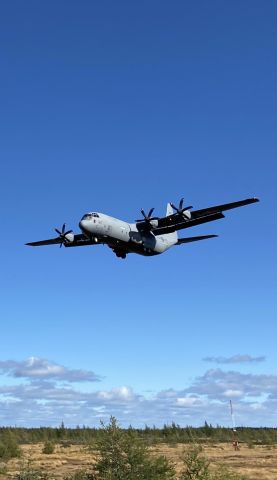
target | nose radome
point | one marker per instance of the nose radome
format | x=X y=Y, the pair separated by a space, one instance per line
x=82 y=224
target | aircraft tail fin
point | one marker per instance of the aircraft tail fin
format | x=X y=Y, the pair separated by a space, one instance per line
x=172 y=237
x=169 y=210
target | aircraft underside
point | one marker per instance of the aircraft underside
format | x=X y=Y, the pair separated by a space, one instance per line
x=121 y=251
x=120 y=248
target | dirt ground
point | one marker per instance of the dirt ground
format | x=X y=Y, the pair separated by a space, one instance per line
x=258 y=463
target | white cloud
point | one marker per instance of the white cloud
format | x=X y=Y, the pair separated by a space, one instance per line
x=40 y=368
x=235 y=359
x=45 y=393
x=120 y=394
x=232 y=393
x=256 y=406
x=215 y=382
x=188 y=401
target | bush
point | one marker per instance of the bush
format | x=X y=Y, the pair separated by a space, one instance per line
x=197 y=468
x=9 y=447
x=28 y=472
x=123 y=456
x=80 y=475
x=3 y=468
x=222 y=473
x=48 y=448
x=196 y=465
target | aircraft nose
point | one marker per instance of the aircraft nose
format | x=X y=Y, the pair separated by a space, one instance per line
x=82 y=225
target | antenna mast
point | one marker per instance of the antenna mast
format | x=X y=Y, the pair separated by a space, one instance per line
x=234 y=430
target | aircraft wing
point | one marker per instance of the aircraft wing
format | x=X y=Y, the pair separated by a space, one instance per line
x=222 y=208
x=51 y=241
x=177 y=222
x=79 y=240
x=82 y=241
x=194 y=239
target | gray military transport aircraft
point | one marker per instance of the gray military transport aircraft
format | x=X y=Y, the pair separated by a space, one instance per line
x=147 y=236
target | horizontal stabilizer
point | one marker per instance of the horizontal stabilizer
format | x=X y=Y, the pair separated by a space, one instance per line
x=194 y=239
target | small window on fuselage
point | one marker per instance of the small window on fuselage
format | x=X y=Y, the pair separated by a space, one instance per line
x=87 y=216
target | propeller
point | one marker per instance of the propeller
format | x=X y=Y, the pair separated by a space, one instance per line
x=147 y=218
x=63 y=234
x=182 y=210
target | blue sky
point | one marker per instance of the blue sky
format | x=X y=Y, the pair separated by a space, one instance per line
x=113 y=106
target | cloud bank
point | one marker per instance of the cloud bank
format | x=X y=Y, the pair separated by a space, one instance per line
x=235 y=359
x=40 y=368
x=45 y=393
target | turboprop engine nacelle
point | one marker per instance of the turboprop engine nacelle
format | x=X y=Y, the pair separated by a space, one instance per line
x=187 y=214
x=69 y=238
x=154 y=223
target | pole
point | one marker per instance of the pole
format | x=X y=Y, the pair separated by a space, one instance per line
x=235 y=437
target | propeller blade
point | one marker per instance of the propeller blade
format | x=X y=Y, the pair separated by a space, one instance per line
x=62 y=234
x=147 y=218
x=173 y=206
x=143 y=212
x=180 y=210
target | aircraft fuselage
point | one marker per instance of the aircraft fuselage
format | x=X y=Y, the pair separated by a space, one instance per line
x=113 y=232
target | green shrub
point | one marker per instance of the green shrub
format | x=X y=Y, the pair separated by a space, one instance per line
x=196 y=467
x=48 y=448
x=9 y=447
x=29 y=472
x=80 y=475
x=65 y=444
x=3 y=469
x=124 y=456
x=223 y=473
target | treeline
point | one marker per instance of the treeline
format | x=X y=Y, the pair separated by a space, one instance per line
x=172 y=433
x=123 y=455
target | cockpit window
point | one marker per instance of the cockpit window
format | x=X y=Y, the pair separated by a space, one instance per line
x=89 y=216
